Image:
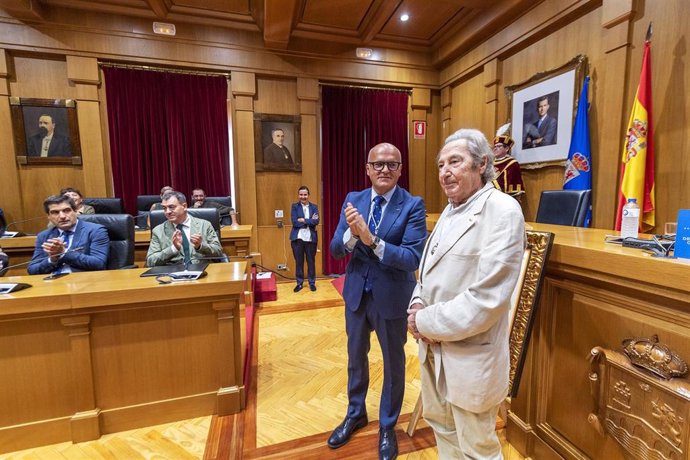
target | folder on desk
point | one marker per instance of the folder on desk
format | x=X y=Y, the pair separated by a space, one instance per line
x=168 y=269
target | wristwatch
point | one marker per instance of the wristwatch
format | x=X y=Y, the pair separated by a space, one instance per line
x=375 y=243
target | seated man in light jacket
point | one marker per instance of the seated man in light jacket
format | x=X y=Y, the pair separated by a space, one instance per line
x=182 y=238
x=69 y=245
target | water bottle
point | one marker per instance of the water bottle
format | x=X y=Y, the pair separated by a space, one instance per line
x=631 y=219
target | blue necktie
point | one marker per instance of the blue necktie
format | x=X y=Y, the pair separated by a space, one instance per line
x=185 y=245
x=67 y=238
x=375 y=220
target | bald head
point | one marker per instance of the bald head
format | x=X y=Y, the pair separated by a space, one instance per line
x=384 y=166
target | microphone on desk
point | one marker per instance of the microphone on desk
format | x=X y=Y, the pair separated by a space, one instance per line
x=7 y=234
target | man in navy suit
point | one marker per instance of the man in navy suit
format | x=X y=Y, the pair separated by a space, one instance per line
x=305 y=217
x=56 y=248
x=543 y=131
x=384 y=228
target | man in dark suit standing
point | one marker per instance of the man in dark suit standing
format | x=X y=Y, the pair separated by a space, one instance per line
x=55 y=250
x=48 y=143
x=384 y=228
x=303 y=238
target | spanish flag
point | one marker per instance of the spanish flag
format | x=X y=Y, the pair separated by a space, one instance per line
x=637 y=164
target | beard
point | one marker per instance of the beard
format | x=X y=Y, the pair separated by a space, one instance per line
x=43 y=131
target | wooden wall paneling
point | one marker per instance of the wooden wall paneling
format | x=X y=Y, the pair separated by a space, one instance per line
x=420 y=106
x=83 y=73
x=9 y=173
x=308 y=94
x=468 y=107
x=611 y=85
x=103 y=107
x=231 y=393
x=243 y=89
x=434 y=139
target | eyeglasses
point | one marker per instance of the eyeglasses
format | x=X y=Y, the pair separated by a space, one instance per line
x=379 y=165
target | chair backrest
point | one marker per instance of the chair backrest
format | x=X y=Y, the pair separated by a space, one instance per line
x=525 y=300
x=105 y=205
x=3 y=223
x=563 y=207
x=121 y=233
x=225 y=201
x=144 y=203
x=209 y=214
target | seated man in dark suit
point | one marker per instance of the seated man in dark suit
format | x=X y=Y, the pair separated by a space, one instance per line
x=46 y=142
x=182 y=238
x=69 y=245
x=199 y=201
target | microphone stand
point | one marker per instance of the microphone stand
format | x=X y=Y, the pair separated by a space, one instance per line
x=7 y=234
x=6 y=288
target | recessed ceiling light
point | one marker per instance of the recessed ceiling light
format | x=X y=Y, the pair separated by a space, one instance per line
x=404 y=17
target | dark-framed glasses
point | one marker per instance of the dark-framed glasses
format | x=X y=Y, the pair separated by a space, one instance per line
x=379 y=165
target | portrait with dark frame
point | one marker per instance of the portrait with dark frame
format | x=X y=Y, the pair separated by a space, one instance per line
x=45 y=131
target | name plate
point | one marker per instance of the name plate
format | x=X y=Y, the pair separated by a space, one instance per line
x=682 y=247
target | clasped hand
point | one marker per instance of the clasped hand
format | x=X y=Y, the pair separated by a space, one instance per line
x=194 y=239
x=412 y=322
x=54 y=247
x=358 y=226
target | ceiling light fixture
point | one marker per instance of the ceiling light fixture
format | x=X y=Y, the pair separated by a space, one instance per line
x=163 y=28
x=365 y=53
x=404 y=17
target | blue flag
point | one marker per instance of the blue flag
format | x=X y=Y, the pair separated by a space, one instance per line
x=578 y=168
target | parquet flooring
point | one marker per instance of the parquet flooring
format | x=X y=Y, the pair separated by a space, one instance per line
x=298 y=396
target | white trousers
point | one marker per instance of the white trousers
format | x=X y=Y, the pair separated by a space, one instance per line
x=460 y=434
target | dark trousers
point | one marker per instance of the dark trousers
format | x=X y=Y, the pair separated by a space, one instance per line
x=301 y=250
x=392 y=335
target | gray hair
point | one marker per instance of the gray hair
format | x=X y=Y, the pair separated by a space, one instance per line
x=479 y=149
x=173 y=194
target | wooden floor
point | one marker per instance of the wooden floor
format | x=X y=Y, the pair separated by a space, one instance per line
x=298 y=395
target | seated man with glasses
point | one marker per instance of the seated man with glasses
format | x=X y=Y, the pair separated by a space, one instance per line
x=182 y=238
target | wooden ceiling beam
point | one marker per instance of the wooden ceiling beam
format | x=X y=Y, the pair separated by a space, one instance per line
x=279 y=15
x=29 y=10
x=381 y=16
x=159 y=8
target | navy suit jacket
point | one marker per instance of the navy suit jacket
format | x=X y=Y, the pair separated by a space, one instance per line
x=93 y=238
x=392 y=279
x=295 y=213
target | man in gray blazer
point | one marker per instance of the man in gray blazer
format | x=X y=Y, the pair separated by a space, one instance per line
x=182 y=238
x=459 y=311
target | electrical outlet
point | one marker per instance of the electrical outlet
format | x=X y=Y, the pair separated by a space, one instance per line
x=280 y=224
x=282 y=267
x=279 y=213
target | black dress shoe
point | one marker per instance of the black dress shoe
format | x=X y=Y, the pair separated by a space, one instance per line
x=342 y=434
x=388 y=444
x=312 y=287
x=297 y=288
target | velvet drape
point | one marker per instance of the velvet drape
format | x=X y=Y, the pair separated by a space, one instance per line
x=353 y=121
x=167 y=129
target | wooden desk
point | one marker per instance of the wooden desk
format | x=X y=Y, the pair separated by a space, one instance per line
x=235 y=241
x=595 y=294
x=99 y=352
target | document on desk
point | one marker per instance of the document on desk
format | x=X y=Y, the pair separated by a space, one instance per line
x=263 y=275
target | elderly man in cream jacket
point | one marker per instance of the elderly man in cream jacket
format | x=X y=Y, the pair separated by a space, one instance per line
x=459 y=311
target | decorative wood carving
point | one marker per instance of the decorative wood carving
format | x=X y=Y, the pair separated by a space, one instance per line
x=645 y=414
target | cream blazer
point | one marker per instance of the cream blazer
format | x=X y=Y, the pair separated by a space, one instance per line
x=466 y=287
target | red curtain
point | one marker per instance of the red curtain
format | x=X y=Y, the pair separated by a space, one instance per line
x=354 y=120
x=167 y=129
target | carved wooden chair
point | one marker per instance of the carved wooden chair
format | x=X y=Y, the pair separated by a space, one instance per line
x=522 y=313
